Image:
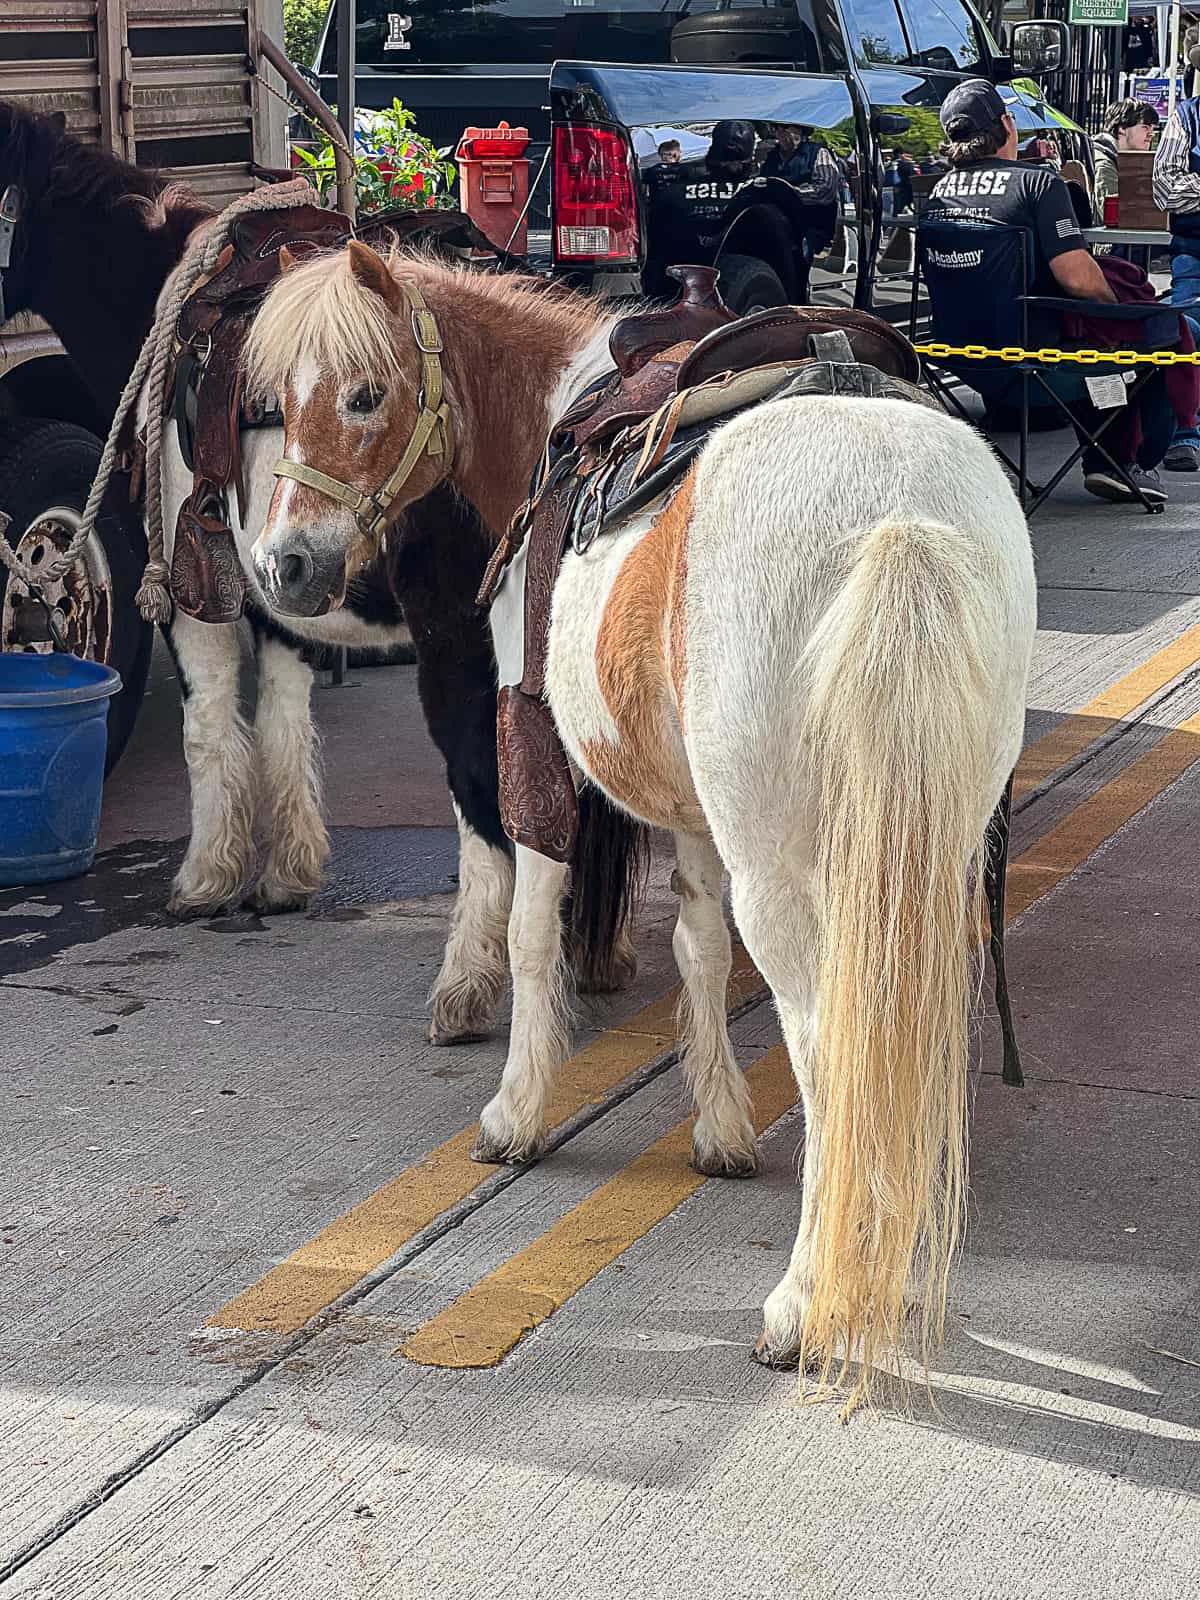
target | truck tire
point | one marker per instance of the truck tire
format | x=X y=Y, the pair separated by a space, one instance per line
x=748 y=284
x=46 y=471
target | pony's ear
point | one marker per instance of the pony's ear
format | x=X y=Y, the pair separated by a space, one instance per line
x=286 y=260
x=371 y=272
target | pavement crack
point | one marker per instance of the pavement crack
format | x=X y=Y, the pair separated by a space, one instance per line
x=1113 y=588
x=448 y=1223
x=1033 y=1081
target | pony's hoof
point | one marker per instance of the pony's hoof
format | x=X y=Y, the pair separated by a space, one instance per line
x=186 y=909
x=776 y=1360
x=495 y=1153
x=726 y=1163
x=499 y=1143
x=462 y=1015
x=444 y=1034
x=617 y=973
x=268 y=904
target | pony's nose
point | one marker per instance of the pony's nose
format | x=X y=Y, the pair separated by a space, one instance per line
x=295 y=573
x=294 y=578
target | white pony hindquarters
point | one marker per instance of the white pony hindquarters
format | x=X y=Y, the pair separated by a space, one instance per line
x=860 y=614
x=784 y=494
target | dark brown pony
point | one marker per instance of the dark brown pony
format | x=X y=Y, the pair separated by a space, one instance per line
x=96 y=240
x=93 y=246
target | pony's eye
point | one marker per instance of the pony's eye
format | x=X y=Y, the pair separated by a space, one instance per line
x=364 y=400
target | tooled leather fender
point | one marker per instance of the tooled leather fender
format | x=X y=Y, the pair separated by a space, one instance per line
x=538 y=804
x=207 y=581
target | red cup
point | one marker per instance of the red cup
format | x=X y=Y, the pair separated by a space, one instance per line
x=1111 y=210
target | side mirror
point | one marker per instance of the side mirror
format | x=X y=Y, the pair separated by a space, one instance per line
x=1042 y=46
x=889 y=122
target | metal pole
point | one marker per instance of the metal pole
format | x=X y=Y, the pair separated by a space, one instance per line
x=1173 y=48
x=347 y=66
x=312 y=102
x=1081 y=108
x=346 y=75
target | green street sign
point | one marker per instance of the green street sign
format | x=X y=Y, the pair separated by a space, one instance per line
x=1100 y=13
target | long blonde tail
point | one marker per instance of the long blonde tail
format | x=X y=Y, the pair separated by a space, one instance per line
x=898 y=729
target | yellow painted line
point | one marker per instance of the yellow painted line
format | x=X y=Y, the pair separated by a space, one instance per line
x=1082 y=831
x=481 y=1327
x=361 y=1240
x=484 y=1324
x=1072 y=736
x=357 y=1243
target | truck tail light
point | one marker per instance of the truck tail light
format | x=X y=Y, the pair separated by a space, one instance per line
x=595 y=201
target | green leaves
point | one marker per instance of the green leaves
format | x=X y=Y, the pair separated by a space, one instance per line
x=402 y=168
x=302 y=24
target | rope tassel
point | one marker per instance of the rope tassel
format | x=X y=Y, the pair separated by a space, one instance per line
x=153 y=598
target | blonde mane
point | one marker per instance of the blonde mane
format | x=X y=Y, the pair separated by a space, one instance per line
x=320 y=313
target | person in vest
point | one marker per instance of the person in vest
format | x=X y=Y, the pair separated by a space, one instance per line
x=1177 y=192
x=812 y=172
x=802 y=162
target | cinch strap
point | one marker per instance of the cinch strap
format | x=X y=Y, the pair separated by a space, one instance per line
x=432 y=434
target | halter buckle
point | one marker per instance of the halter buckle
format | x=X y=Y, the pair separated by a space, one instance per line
x=425 y=332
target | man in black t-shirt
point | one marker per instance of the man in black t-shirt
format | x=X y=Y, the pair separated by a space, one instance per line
x=986 y=181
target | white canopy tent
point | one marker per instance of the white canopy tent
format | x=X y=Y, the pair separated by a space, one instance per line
x=1168 y=17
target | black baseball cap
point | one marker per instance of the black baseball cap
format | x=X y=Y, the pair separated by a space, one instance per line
x=973 y=107
x=732 y=140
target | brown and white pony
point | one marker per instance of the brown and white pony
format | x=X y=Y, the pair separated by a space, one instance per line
x=257 y=825
x=809 y=666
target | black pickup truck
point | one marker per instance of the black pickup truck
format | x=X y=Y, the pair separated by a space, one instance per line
x=671 y=130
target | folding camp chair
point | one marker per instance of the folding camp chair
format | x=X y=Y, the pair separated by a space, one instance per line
x=977 y=274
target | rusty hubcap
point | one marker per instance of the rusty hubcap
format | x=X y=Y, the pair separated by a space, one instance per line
x=82 y=596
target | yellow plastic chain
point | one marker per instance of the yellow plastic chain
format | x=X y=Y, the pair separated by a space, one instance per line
x=1085 y=358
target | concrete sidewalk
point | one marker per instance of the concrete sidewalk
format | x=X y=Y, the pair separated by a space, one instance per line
x=193 y=1108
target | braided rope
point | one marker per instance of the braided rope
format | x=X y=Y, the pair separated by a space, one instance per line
x=153 y=363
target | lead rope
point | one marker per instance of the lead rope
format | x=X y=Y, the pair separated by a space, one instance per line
x=153 y=598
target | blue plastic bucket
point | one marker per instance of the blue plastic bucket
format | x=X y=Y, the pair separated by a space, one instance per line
x=53 y=734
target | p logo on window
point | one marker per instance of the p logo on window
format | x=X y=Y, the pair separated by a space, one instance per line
x=398 y=27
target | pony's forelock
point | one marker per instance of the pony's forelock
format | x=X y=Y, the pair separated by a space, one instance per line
x=319 y=313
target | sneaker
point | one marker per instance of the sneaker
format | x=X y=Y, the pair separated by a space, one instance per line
x=1149 y=482
x=1182 y=458
x=1105 y=485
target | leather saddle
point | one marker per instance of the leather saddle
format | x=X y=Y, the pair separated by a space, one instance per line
x=625 y=445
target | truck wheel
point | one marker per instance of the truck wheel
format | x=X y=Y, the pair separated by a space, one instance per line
x=748 y=284
x=46 y=471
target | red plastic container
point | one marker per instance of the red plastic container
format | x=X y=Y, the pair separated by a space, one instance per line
x=494 y=183
x=1112 y=210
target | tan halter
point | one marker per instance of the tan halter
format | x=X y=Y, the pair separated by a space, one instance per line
x=432 y=434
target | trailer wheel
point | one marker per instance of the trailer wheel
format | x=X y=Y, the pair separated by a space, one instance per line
x=46 y=471
x=748 y=284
